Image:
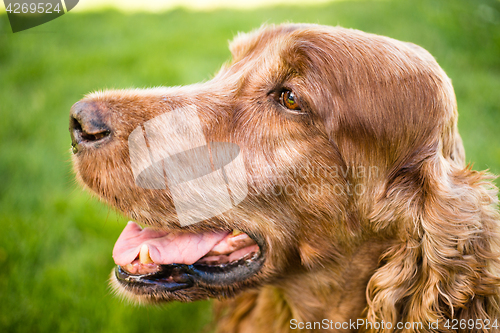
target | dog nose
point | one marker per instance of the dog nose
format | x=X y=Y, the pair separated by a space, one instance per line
x=88 y=126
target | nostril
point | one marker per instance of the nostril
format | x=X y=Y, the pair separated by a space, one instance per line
x=74 y=125
x=95 y=137
x=94 y=134
x=87 y=126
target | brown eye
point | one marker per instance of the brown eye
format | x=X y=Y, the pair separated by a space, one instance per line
x=289 y=100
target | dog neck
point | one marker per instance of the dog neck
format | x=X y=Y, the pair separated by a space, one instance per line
x=287 y=305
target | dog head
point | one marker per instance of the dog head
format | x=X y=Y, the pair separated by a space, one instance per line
x=322 y=138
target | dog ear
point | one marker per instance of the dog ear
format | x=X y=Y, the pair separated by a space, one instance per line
x=445 y=261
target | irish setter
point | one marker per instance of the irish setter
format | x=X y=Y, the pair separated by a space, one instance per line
x=350 y=205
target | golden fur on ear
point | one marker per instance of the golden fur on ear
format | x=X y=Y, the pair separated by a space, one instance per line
x=445 y=264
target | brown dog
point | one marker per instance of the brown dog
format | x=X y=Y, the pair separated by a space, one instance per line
x=352 y=208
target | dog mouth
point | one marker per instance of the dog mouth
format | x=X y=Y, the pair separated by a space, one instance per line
x=153 y=261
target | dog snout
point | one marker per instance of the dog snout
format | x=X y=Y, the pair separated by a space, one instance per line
x=89 y=126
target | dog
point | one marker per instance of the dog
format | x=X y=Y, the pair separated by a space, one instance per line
x=351 y=208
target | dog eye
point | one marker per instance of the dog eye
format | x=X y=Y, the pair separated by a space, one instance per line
x=289 y=100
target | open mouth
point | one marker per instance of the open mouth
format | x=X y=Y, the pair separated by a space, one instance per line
x=150 y=260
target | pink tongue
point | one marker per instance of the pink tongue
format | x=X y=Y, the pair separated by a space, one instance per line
x=164 y=247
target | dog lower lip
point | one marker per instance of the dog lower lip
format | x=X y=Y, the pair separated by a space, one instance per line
x=170 y=278
x=180 y=276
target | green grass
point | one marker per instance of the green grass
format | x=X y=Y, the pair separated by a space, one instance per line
x=56 y=241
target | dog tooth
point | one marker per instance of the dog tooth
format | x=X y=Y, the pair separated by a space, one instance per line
x=236 y=232
x=144 y=257
x=129 y=267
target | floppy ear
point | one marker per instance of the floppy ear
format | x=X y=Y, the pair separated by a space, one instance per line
x=444 y=263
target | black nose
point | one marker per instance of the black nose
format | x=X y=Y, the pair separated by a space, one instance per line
x=88 y=126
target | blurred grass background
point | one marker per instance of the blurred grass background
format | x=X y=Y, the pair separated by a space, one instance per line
x=56 y=241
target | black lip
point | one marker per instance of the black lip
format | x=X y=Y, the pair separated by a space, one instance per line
x=170 y=278
x=177 y=277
